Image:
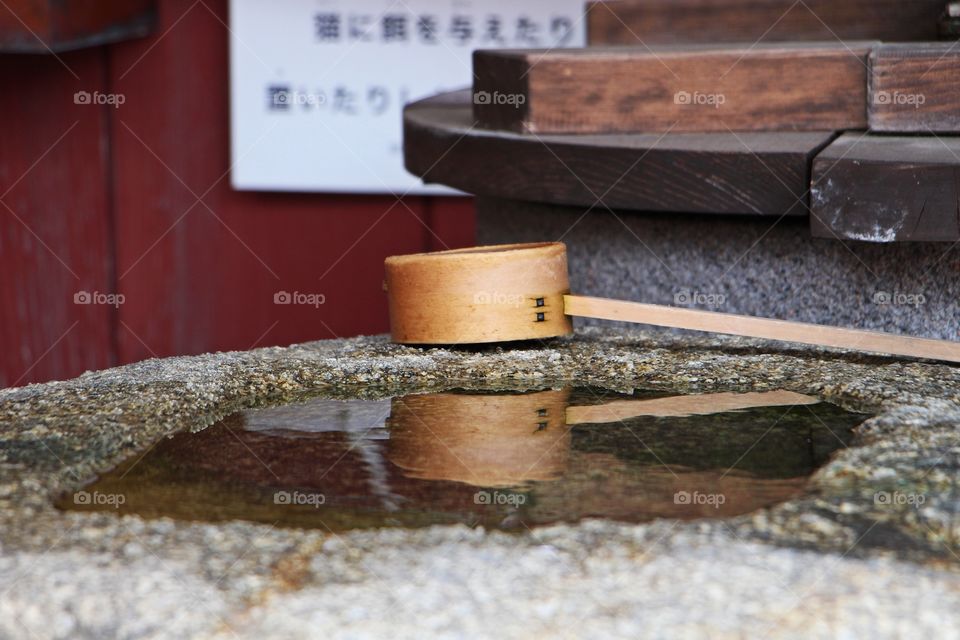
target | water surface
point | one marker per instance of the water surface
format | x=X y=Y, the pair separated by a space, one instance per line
x=505 y=460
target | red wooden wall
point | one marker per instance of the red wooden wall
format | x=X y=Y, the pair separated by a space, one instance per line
x=136 y=200
x=55 y=229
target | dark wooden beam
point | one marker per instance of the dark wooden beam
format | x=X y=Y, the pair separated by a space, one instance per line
x=652 y=22
x=792 y=87
x=887 y=189
x=915 y=88
x=44 y=26
x=716 y=173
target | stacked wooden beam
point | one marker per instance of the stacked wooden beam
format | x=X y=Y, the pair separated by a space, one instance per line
x=799 y=87
x=656 y=22
x=747 y=173
x=860 y=134
x=915 y=88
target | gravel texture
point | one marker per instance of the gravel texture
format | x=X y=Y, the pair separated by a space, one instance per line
x=842 y=561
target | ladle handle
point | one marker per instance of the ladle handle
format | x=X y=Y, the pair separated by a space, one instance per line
x=804 y=333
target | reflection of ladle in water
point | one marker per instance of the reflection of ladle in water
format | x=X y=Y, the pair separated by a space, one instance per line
x=483 y=440
x=507 y=440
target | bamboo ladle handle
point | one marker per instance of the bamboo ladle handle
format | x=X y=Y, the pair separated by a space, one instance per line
x=522 y=292
x=751 y=327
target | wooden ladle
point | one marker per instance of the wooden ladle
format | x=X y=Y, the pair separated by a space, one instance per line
x=522 y=292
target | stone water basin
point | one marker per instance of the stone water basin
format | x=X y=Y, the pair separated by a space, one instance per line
x=866 y=547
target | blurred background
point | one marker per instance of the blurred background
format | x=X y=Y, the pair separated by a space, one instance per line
x=185 y=176
x=135 y=200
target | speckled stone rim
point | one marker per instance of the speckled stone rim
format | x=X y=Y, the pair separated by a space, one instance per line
x=58 y=435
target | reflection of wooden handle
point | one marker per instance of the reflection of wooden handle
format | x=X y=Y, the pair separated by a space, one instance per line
x=748 y=326
x=683 y=406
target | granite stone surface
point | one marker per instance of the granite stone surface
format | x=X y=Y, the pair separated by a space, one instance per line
x=753 y=266
x=840 y=561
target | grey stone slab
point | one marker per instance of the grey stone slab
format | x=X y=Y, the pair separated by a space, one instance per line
x=768 y=268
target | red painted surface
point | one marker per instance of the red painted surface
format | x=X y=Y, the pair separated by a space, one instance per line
x=55 y=238
x=451 y=223
x=198 y=263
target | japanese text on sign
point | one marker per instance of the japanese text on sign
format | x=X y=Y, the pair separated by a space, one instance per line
x=318 y=86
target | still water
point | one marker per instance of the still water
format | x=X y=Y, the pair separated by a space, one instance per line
x=506 y=460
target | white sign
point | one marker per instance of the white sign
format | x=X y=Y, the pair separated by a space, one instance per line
x=317 y=87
